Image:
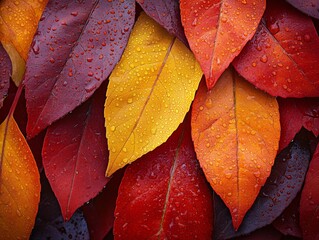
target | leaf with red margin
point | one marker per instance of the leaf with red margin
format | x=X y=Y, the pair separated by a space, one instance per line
x=167 y=14
x=309 y=7
x=282 y=57
x=75 y=155
x=218 y=30
x=5 y=70
x=282 y=186
x=295 y=114
x=76 y=47
x=164 y=194
x=99 y=213
x=309 y=203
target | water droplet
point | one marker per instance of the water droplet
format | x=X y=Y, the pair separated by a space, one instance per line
x=129 y=100
x=264 y=58
x=307 y=38
x=274 y=28
x=74 y=13
x=113 y=128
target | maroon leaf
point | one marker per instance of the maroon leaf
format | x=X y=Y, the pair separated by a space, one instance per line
x=75 y=155
x=310 y=7
x=309 y=203
x=167 y=14
x=164 y=194
x=282 y=57
x=5 y=70
x=76 y=47
x=282 y=186
x=266 y=233
x=295 y=114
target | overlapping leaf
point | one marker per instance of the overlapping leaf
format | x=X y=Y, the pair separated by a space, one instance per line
x=282 y=57
x=149 y=93
x=19 y=184
x=75 y=155
x=77 y=45
x=235 y=129
x=5 y=69
x=164 y=195
x=218 y=30
x=310 y=7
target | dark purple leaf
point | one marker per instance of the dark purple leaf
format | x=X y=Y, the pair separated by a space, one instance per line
x=5 y=70
x=310 y=7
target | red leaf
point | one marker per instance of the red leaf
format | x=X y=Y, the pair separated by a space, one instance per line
x=295 y=114
x=166 y=13
x=76 y=47
x=309 y=203
x=218 y=30
x=75 y=155
x=164 y=194
x=310 y=7
x=282 y=57
x=5 y=70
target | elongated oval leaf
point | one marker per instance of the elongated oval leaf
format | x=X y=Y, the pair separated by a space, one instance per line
x=282 y=57
x=5 y=69
x=75 y=155
x=235 y=129
x=77 y=45
x=218 y=30
x=164 y=195
x=149 y=93
x=19 y=184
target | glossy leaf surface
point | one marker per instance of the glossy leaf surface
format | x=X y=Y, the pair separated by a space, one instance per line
x=309 y=7
x=282 y=57
x=235 y=129
x=5 y=69
x=149 y=93
x=75 y=155
x=77 y=45
x=164 y=195
x=218 y=30
x=19 y=184
x=309 y=203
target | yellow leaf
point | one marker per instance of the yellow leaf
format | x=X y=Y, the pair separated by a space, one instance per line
x=149 y=93
x=18 y=24
x=19 y=184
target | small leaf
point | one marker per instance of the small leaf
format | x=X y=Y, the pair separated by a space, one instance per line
x=5 y=69
x=149 y=93
x=164 y=195
x=77 y=46
x=309 y=203
x=282 y=57
x=19 y=184
x=218 y=30
x=310 y=7
x=235 y=129
x=75 y=155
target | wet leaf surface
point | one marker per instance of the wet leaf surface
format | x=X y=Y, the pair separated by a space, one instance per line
x=5 y=70
x=310 y=7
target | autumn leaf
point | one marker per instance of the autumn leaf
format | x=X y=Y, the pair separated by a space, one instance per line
x=235 y=129
x=164 y=195
x=5 y=69
x=217 y=31
x=149 y=93
x=310 y=7
x=19 y=184
x=282 y=57
x=18 y=24
x=75 y=155
x=77 y=45
x=309 y=203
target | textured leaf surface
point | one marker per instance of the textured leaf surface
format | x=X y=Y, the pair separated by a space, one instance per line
x=309 y=203
x=18 y=24
x=19 y=184
x=286 y=179
x=218 y=30
x=282 y=57
x=235 y=129
x=310 y=7
x=164 y=195
x=75 y=155
x=5 y=69
x=149 y=93
x=295 y=114
x=77 y=45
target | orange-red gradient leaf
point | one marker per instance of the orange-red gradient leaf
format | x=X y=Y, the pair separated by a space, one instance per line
x=235 y=129
x=217 y=30
x=19 y=184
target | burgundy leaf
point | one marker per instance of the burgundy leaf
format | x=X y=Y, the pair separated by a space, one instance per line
x=282 y=186
x=266 y=233
x=164 y=194
x=167 y=14
x=295 y=114
x=75 y=155
x=5 y=71
x=76 y=47
x=310 y=7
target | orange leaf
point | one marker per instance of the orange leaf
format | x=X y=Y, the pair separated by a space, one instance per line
x=218 y=30
x=19 y=184
x=236 y=130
